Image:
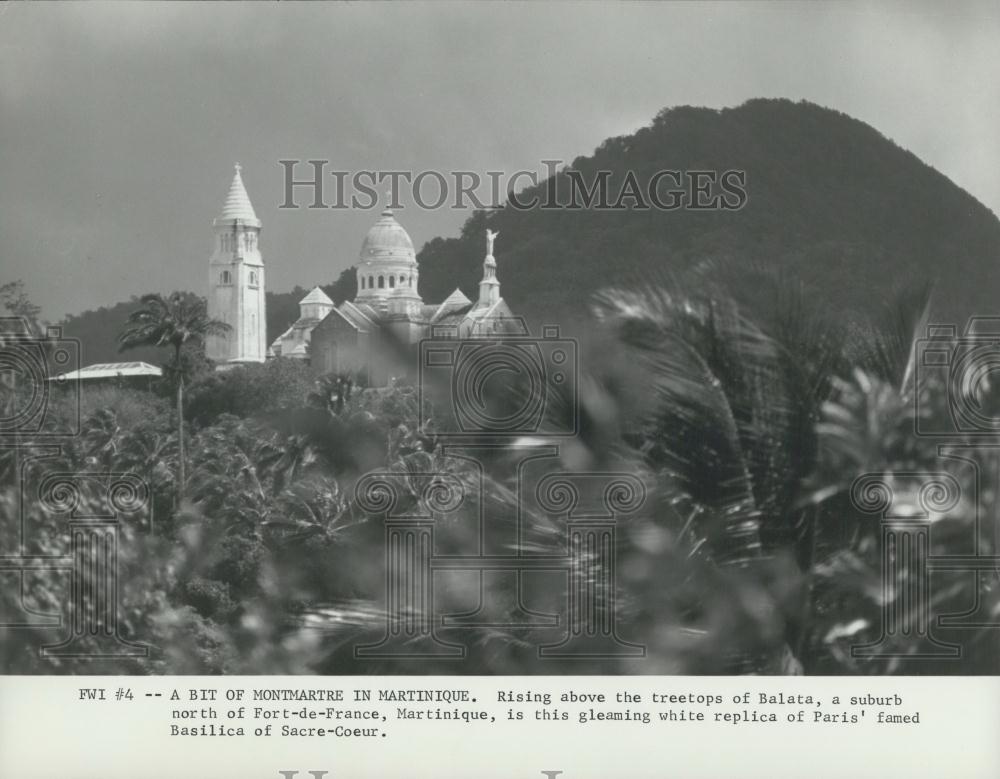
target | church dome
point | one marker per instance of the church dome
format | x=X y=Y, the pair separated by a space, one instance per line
x=387 y=240
x=387 y=269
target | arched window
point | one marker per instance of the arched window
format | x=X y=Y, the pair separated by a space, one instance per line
x=381 y=282
x=226 y=278
x=362 y=282
x=371 y=282
x=411 y=281
x=402 y=281
x=392 y=282
x=253 y=278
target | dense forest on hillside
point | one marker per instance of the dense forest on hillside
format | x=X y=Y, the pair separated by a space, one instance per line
x=829 y=200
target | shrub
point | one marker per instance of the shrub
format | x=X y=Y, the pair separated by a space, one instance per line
x=249 y=391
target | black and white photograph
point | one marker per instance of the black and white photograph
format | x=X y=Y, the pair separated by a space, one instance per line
x=454 y=339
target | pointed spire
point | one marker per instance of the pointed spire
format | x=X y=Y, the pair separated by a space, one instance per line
x=238 y=204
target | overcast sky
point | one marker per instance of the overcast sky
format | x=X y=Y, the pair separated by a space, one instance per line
x=119 y=124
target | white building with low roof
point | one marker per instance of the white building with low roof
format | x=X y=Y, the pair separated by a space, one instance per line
x=110 y=370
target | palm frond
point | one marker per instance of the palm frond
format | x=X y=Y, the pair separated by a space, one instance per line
x=886 y=347
x=710 y=370
x=174 y=321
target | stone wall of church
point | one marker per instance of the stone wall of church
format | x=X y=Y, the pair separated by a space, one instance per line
x=338 y=347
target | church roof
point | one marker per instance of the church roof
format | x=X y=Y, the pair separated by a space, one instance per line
x=277 y=341
x=238 y=205
x=451 y=318
x=456 y=301
x=387 y=240
x=370 y=313
x=456 y=298
x=355 y=316
x=316 y=295
x=498 y=311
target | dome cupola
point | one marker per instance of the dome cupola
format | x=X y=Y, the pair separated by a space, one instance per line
x=387 y=269
x=387 y=240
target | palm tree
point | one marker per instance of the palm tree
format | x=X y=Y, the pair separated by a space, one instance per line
x=171 y=322
x=735 y=393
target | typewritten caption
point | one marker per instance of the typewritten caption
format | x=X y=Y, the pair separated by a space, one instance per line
x=359 y=712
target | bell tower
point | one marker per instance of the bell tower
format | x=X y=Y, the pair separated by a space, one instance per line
x=236 y=281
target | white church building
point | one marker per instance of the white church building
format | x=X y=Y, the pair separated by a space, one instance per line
x=366 y=336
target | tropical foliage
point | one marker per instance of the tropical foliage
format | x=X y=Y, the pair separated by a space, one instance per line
x=748 y=418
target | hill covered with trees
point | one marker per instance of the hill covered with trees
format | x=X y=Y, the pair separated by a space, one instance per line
x=829 y=199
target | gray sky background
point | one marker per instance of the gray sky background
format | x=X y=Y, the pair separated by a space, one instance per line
x=119 y=124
